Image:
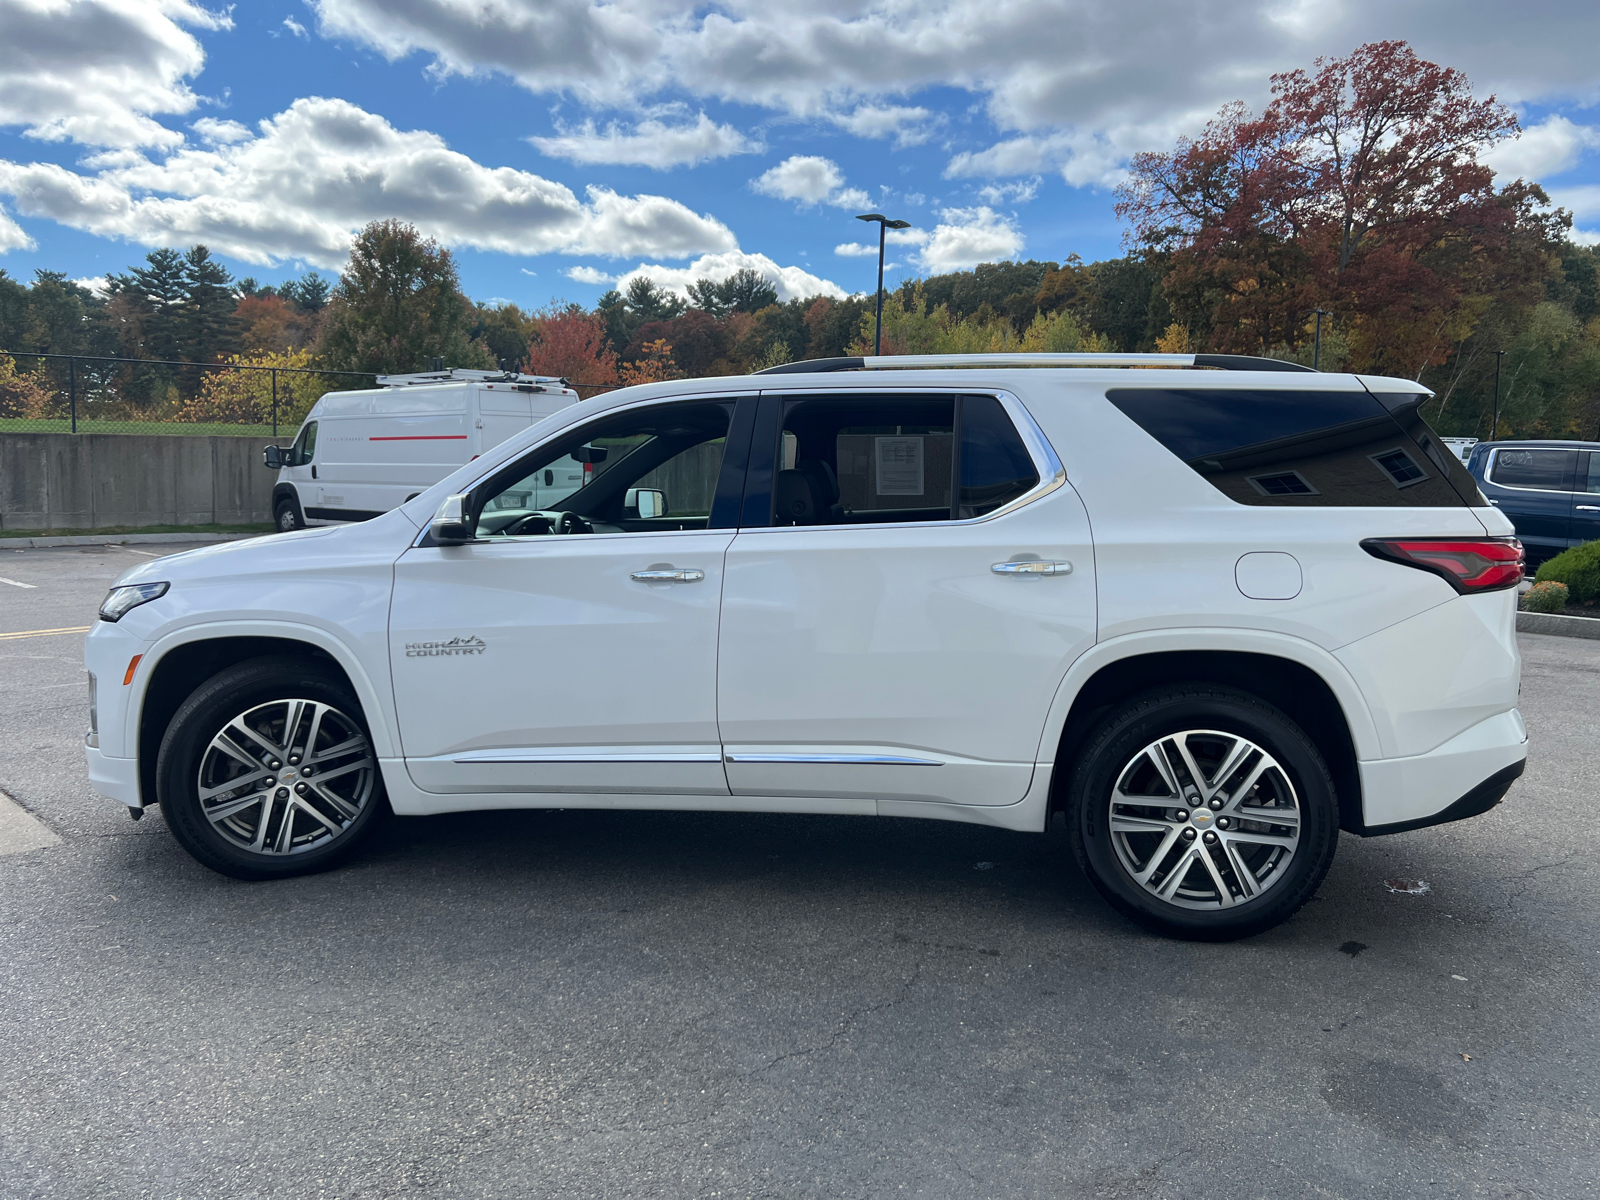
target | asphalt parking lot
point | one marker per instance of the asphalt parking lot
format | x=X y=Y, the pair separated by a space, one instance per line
x=597 y=1004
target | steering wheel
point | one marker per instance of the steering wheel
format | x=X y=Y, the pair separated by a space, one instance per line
x=549 y=522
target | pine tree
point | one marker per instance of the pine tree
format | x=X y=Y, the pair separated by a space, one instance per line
x=158 y=291
x=209 y=328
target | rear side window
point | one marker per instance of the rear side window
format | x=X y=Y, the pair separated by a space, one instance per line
x=1305 y=448
x=1542 y=470
x=995 y=466
x=1593 y=485
x=860 y=460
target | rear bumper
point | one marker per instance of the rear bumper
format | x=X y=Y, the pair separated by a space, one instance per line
x=1466 y=776
x=114 y=777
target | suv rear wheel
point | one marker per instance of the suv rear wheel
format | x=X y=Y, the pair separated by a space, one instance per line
x=267 y=771
x=1203 y=813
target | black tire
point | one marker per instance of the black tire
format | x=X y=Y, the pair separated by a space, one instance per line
x=265 y=689
x=286 y=515
x=1118 y=752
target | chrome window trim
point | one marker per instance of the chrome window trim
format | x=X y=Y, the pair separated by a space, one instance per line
x=1494 y=457
x=1052 y=474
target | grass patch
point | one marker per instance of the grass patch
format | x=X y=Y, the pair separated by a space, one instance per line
x=121 y=529
x=158 y=428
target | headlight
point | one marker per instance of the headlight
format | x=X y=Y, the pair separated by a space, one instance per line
x=120 y=601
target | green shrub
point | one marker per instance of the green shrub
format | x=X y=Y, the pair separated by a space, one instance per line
x=1578 y=568
x=1546 y=597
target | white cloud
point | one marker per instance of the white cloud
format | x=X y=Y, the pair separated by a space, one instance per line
x=588 y=275
x=855 y=250
x=792 y=283
x=1088 y=83
x=1548 y=148
x=13 y=236
x=908 y=126
x=323 y=168
x=296 y=28
x=650 y=143
x=1586 y=237
x=210 y=129
x=966 y=237
x=1581 y=202
x=1083 y=160
x=94 y=283
x=94 y=71
x=810 y=179
x=1013 y=193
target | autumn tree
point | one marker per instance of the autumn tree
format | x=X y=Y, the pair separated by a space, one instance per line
x=571 y=344
x=398 y=306
x=1361 y=190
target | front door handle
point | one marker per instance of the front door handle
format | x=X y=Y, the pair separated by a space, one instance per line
x=1587 y=508
x=1031 y=567
x=668 y=575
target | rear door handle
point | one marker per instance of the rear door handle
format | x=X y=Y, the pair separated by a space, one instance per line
x=1031 y=567
x=669 y=575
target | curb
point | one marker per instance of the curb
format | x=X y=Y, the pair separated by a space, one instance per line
x=1578 y=627
x=118 y=539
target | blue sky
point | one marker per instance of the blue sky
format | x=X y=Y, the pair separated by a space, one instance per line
x=561 y=145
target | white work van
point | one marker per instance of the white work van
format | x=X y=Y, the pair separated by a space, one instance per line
x=360 y=454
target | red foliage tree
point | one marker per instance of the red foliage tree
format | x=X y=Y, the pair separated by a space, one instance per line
x=1359 y=189
x=571 y=343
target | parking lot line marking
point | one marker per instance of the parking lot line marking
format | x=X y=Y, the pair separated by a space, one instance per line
x=20 y=830
x=145 y=553
x=28 y=633
x=17 y=582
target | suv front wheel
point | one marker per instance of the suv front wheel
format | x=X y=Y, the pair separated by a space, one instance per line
x=1203 y=813
x=267 y=771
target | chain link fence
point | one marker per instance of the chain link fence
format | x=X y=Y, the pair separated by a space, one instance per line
x=75 y=393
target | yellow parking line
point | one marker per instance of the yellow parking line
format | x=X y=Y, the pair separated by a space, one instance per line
x=27 y=633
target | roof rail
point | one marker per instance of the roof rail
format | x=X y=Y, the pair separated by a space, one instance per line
x=881 y=362
x=465 y=375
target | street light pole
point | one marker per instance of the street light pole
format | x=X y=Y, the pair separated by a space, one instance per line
x=1494 y=429
x=884 y=225
x=1316 y=348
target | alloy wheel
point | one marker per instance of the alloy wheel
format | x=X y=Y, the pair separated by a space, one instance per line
x=1204 y=819
x=286 y=777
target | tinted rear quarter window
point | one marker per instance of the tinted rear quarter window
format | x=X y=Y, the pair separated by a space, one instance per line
x=1302 y=447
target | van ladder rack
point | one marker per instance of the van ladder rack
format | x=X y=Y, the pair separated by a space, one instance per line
x=881 y=362
x=465 y=375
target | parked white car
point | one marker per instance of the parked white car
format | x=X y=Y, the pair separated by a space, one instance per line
x=359 y=454
x=1213 y=615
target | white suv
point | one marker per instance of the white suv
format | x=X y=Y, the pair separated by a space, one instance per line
x=1212 y=615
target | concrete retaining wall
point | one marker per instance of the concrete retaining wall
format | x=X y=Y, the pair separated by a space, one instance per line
x=101 y=481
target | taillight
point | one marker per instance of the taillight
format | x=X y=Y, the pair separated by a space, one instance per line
x=588 y=474
x=1469 y=565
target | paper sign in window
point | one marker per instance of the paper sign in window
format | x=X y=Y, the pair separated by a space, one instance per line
x=899 y=462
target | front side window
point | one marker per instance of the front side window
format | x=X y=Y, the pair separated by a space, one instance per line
x=1543 y=470
x=1593 y=486
x=861 y=460
x=647 y=469
x=305 y=446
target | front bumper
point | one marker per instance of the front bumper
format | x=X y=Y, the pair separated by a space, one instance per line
x=1466 y=776
x=114 y=777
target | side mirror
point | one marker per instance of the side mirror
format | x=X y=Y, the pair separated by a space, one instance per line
x=451 y=526
x=275 y=457
x=647 y=503
x=589 y=454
